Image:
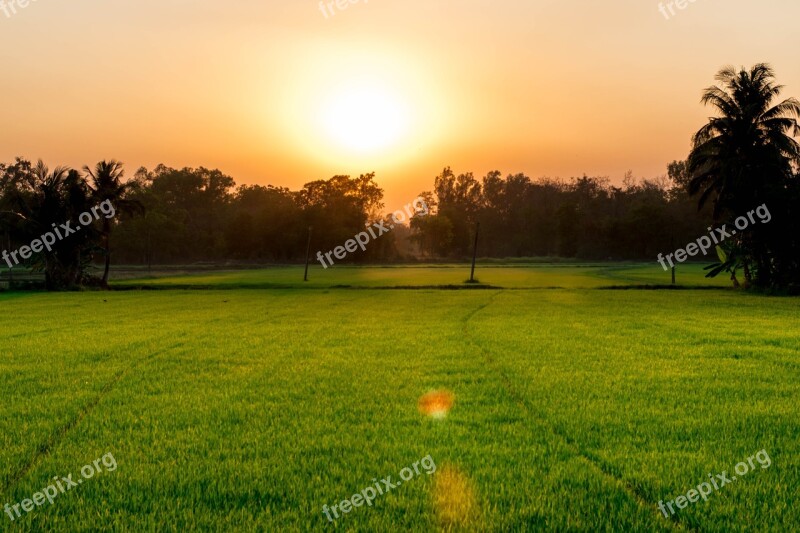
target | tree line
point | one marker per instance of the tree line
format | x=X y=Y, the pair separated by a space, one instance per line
x=745 y=157
x=190 y=215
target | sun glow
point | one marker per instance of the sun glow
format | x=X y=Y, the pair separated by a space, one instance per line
x=359 y=108
x=365 y=117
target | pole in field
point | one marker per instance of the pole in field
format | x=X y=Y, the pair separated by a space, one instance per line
x=672 y=247
x=308 y=253
x=474 y=253
x=10 y=268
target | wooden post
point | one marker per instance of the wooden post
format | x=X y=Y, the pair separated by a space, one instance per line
x=672 y=244
x=148 y=247
x=474 y=253
x=10 y=268
x=308 y=253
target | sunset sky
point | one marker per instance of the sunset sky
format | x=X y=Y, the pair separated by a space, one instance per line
x=259 y=88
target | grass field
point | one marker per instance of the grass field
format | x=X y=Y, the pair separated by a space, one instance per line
x=575 y=409
x=521 y=276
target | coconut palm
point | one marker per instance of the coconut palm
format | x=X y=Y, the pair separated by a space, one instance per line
x=750 y=144
x=41 y=199
x=106 y=184
x=745 y=156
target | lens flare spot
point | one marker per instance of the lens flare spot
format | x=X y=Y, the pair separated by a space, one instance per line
x=436 y=404
x=453 y=498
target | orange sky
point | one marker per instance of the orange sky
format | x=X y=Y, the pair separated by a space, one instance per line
x=255 y=88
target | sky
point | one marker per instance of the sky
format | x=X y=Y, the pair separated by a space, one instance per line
x=284 y=92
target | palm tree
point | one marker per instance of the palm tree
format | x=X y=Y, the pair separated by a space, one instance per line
x=744 y=157
x=39 y=200
x=106 y=184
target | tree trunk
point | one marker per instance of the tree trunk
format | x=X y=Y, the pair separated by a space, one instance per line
x=747 y=275
x=107 y=243
x=107 y=268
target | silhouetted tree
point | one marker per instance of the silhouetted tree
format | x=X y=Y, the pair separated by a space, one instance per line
x=746 y=157
x=106 y=184
x=40 y=201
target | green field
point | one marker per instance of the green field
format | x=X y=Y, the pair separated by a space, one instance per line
x=576 y=408
x=522 y=276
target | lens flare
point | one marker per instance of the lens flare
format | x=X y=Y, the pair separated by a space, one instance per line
x=436 y=404
x=453 y=498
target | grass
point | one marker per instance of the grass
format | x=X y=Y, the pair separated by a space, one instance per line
x=529 y=276
x=244 y=410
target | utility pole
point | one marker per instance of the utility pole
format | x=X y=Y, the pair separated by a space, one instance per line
x=10 y=268
x=474 y=252
x=672 y=245
x=308 y=252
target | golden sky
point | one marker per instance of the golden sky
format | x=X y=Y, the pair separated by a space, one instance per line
x=258 y=88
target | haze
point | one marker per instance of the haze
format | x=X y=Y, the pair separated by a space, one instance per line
x=542 y=87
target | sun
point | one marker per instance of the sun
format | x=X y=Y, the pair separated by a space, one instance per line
x=365 y=117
